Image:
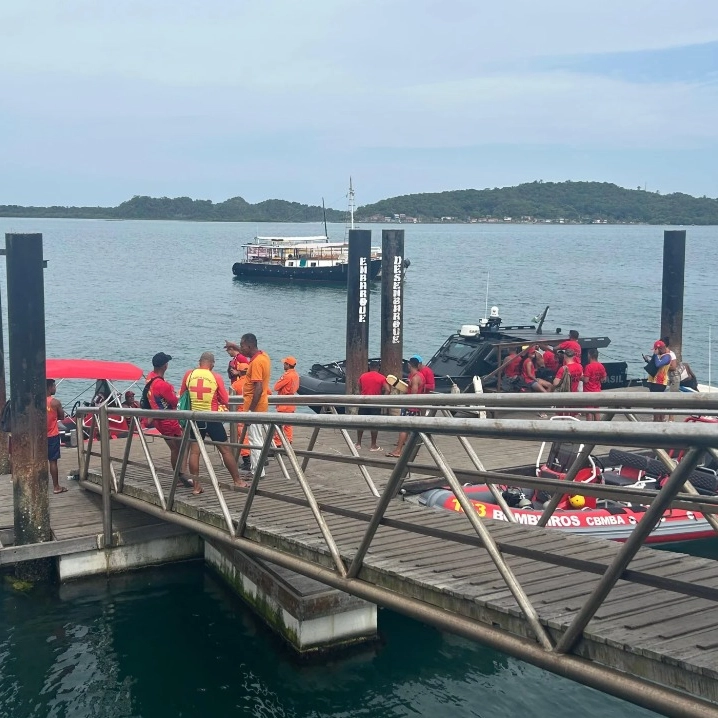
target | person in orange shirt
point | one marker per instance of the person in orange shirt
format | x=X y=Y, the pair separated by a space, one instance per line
x=238 y=386
x=55 y=413
x=287 y=385
x=256 y=393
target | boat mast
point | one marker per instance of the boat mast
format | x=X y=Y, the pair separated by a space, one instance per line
x=324 y=210
x=351 y=203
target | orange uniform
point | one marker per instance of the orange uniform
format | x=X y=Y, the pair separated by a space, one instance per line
x=287 y=385
x=238 y=386
x=260 y=368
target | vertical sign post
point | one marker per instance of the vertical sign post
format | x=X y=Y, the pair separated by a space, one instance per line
x=392 y=301
x=28 y=394
x=674 y=266
x=357 y=354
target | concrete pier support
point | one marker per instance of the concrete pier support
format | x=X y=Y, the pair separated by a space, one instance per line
x=148 y=546
x=310 y=616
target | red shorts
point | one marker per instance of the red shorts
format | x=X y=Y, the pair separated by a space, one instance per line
x=168 y=427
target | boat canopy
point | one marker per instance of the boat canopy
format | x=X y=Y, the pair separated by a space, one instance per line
x=319 y=238
x=92 y=369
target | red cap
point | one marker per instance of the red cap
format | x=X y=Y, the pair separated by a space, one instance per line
x=660 y=344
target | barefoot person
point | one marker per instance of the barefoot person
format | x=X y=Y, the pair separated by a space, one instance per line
x=55 y=413
x=416 y=386
x=208 y=393
x=371 y=383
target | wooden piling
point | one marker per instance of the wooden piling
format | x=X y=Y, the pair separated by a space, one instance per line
x=674 y=264
x=28 y=394
x=392 y=301
x=357 y=346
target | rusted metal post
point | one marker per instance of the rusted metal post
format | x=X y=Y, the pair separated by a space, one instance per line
x=5 y=465
x=357 y=354
x=674 y=265
x=28 y=394
x=392 y=301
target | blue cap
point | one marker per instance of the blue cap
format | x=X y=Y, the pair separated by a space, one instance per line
x=418 y=358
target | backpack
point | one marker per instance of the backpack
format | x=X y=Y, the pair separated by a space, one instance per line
x=144 y=399
x=6 y=418
x=565 y=383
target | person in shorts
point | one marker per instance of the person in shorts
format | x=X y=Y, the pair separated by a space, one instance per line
x=208 y=393
x=415 y=386
x=55 y=413
x=371 y=383
x=160 y=395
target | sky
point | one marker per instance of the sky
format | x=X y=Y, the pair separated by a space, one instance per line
x=213 y=99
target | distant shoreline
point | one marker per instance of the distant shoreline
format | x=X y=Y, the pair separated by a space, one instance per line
x=535 y=203
x=368 y=221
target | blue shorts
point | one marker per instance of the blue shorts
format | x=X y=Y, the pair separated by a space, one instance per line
x=53 y=448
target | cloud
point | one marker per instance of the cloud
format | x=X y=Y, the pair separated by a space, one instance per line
x=108 y=98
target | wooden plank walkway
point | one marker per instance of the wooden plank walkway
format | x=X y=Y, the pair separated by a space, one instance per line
x=642 y=628
x=74 y=514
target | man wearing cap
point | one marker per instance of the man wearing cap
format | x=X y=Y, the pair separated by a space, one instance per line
x=287 y=385
x=571 y=367
x=256 y=392
x=429 y=378
x=160 y=395
x=130 y=402
x=238 y=386
x=235 y=359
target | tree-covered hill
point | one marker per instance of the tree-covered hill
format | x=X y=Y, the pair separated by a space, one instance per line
x=573 y=201
x=534 y=201
x=235 y=209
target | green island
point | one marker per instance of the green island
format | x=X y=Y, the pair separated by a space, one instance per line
x=532 y=202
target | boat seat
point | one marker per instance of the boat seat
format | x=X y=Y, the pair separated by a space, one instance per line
x=613 y=479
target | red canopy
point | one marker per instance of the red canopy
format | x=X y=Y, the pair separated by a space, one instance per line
x=92 y=369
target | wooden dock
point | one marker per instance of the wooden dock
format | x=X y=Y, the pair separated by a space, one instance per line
x=658 y=626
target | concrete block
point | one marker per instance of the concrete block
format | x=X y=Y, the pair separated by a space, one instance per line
x=135 y=555
x=310 y=616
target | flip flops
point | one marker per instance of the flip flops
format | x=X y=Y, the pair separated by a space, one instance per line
x=378 y=448
x=187 y=483
x=59 y=490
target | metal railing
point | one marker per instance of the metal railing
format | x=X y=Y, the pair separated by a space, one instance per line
x=694 y=438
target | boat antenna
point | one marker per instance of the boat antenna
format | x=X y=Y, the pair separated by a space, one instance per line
x=351 y=203
x=710 y=331
x=324 y=210
x=486 y=306
x=539 y=328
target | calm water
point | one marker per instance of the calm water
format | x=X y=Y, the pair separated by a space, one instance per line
x=172 y=642
x=127 y=290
